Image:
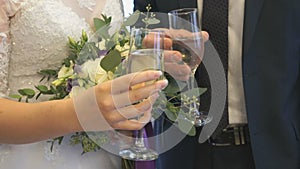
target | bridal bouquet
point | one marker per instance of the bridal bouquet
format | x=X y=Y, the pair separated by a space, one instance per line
x=94 y=60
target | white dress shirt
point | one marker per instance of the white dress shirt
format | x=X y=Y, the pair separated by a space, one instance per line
x=236 y=99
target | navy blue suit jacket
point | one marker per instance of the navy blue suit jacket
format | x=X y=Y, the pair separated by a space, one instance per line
x=271 y=76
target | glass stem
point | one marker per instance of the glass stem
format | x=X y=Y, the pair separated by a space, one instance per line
x=193 y=105
x=139 y=139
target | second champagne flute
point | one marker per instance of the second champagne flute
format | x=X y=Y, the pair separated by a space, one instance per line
x=187 y=38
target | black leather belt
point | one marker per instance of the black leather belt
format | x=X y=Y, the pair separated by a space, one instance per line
x=233 y=135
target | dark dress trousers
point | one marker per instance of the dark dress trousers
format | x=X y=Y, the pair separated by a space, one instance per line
x=271 y=77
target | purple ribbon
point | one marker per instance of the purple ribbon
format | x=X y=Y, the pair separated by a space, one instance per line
x=148 y=131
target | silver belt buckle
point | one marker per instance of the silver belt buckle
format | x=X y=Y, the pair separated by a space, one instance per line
x=239 y=135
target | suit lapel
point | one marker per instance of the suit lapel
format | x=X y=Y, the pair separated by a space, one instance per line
x=252 y=13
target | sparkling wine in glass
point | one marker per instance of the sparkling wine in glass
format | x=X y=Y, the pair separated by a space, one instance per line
x=143 y=57
x=187 y=39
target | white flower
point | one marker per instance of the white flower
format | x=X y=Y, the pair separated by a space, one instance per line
x=101 y=45
x=65 y=72
x=94 y=71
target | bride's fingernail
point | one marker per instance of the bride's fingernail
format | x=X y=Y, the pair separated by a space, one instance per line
x=158 y=74
x=162 y=83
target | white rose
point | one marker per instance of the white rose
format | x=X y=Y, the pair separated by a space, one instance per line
x=94 y=71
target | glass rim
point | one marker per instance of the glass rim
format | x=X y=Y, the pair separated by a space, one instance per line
x=183 y=11
x=147 y=30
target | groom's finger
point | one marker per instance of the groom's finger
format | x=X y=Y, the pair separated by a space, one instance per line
x=150 y=40
x=172 y=56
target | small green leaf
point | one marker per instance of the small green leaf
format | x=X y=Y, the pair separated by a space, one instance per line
x=106 y=19
x=27 y=92
x=48 y=72
x=186 y=127
x=53 y=90
x=99 y=23
x=111 y=60
x=170 y=115
x=15 y=96
x=42 y=88
x=110 y=44
x=153 y=21
x=132 y=19
x=88 y=52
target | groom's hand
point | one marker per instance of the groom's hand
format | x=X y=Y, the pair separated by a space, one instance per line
x=173 y=62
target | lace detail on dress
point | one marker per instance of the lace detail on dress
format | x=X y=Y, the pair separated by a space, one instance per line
x=3 y=64
x=39 y=39
x=54 y=154
x=114 y=8
x=4 y=152
x=89 y=4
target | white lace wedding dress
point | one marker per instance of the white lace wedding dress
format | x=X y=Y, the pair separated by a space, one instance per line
x=37 y=39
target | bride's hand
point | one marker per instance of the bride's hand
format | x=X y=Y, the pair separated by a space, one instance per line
x=117 y=104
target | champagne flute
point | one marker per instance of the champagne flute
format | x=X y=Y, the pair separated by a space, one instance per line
x=187 y=39
x=143 y=57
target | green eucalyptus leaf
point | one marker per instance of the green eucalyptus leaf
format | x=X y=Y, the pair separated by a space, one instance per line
x=186 y=126
x=15 y=96
x=53 y=90
x=27 y=92
x=103 y=32
x=111 y=60
x=171 y=115
x=48 y=72
x=132 y=19
x=192 y=131
x=153 y=21
x=31 y=96
x=88 y=52
x=170 y=106
x=99 y=23
x=42 y=88
x=110 y=44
